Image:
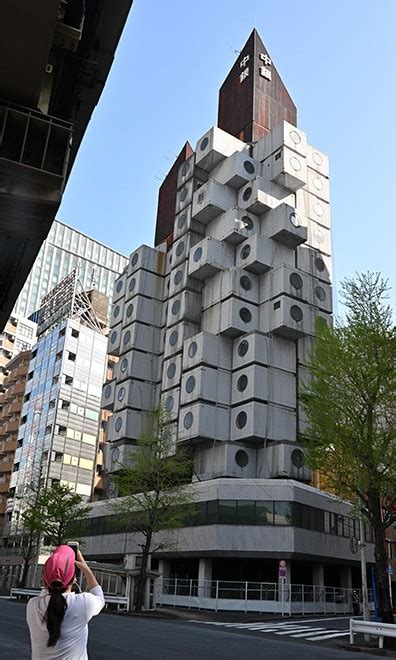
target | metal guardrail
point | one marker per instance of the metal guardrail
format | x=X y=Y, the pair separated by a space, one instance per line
x=122 y=602
x=372 y=628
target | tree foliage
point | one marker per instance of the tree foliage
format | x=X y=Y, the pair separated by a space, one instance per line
x=154 y=493
x=349 y=401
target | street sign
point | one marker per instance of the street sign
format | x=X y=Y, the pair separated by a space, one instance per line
x=282 y=570
x=389 y=569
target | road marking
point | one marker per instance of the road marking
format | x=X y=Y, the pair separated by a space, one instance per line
x=306 y=630
x=335 y=634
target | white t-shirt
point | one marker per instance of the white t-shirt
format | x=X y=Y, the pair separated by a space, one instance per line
x=72 y=643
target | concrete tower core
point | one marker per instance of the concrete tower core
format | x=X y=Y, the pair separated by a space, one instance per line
x=253 y=99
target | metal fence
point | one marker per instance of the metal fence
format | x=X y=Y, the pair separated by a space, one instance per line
x=277 y=598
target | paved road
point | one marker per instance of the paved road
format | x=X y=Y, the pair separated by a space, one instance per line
x=119 y=637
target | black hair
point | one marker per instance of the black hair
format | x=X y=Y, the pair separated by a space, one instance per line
x=55 y=611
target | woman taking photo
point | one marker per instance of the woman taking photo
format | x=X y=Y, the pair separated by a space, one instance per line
x=58 y=618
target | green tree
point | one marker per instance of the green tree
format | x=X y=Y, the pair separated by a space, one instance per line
x=155 y=497
x=349 y=402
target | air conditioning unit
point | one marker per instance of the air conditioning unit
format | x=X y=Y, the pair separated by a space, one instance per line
x=215 y=146
x=263 y=384
x=142 y=337
x=172 y=372
x=258 y=348
x=176 y=335
x=257 y=196
x=171 y=402
x=184 y=223
x=210 y=200
x=285 y=280
x=126 y=424
x=184 y=195
x=179 y=280
x=143 y=310
x=282 y=461
x=236 y=170
x=136 y=364
x=255 y=254
x=202 y=421
x=208 y=257
x=314 y=263
x=185 y=171
x=108 y=394
x=119 y=287
x=148 y=258
x=136 y=394
x=318 y=161
x=146 y=284
x=287 y=317
x=224 y=460
x=232 y=282
x=213 y=350
x=255 y=422
x=233 y=226
x=182 y=247
x=318 y=185
x=231 y=318
x=114 y=339
x=285 y=226
x=186 y=306
x=206 y=384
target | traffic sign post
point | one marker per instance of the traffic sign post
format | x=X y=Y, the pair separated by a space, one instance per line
x=282 y=573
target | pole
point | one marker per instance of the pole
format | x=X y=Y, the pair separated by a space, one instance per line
x=362 y=543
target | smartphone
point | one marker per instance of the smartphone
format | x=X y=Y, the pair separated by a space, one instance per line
x=74 y=546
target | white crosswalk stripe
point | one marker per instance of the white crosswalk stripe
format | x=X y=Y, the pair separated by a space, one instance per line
x=297 y=630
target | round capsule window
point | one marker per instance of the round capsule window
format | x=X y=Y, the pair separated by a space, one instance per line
x=192 y=349
x=296 y=313
x=127 y=337
x=241 y=419
x=244 y=253
x=134 y=259
x=296 y=281
x=297 y=458
x=119 y=286
x=242 y=383
x=243 y=348
x=319 y=264
x=113 y=337
x=116 y=311
x=295 y=137
x=182 y=221
x=183 y=194
x=190 y=384
x=132 y=284
x=241 y=458
x=173 y=338
x=107 y=391
x=295 y=220
x=188 y=420
x=118 y=424
x=169 y=403
x=186 y=167
x=121 y=393
x=176 y=307
x=245 y=282
x=197 y=254
x=317 y=183
x=171 y=370
x=124 y=365
x=318 y=236
x=204 y=144
x=249 y=167
x=248 y=223
x=129 y=310
x=295 y=163
x=178 y=277
x=247 y=194
x=180 y=249
x=318 y=209
x=317 y=158
x=245 y=314
x=320 y=293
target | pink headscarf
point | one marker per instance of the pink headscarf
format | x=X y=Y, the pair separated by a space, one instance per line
x=60 y=566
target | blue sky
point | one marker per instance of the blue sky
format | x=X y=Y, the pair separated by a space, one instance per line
x=337 y=60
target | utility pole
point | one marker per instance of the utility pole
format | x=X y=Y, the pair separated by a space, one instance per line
x=362 y=544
